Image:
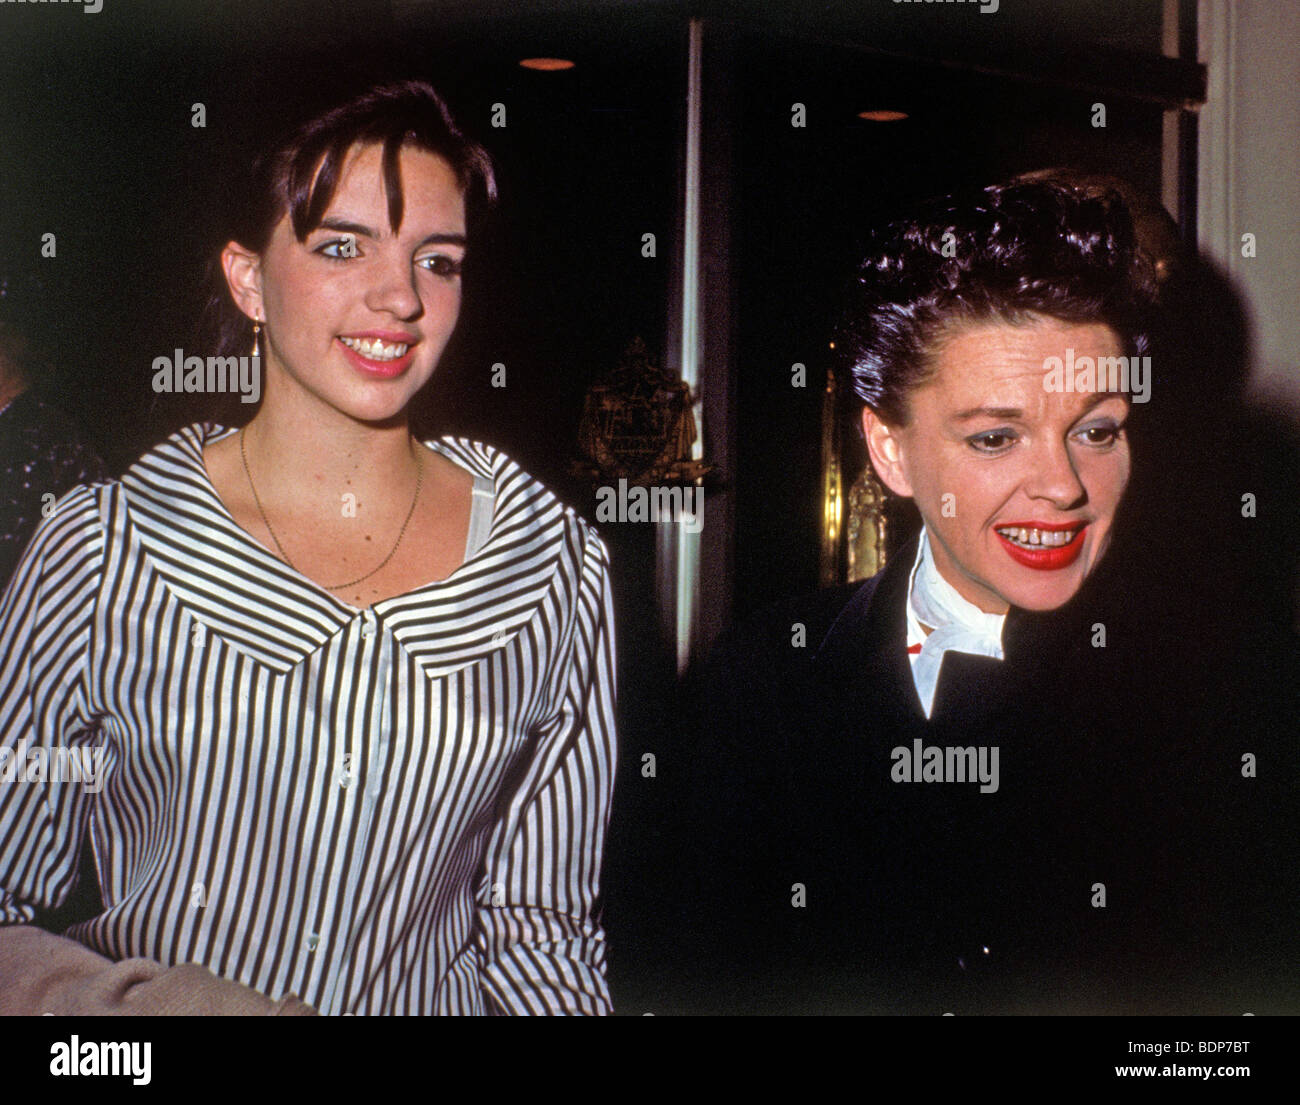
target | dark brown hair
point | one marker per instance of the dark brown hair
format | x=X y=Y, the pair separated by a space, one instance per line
x=299 y=176
x=1005 y=253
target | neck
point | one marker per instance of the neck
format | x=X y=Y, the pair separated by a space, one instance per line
x=311 y=453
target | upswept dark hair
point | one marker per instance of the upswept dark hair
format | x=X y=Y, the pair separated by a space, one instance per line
x=1005 y=253
x=300 y=173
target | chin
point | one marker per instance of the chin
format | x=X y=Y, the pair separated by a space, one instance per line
x=1044 y=590
x=1044 y=595
x=379 y=413
x=1043 y=604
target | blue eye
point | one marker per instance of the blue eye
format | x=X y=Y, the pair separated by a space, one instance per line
x=440 y=265
x=338 y=249
x=992 y=441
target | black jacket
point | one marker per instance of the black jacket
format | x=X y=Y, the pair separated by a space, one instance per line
x=811 y=881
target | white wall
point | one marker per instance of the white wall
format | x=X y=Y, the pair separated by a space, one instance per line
x=1249 y=170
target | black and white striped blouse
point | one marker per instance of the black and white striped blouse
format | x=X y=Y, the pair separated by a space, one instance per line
x=391 y=810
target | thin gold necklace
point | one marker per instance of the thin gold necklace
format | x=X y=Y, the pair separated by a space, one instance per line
x=419 y=480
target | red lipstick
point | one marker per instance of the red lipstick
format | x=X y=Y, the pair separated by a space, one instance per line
x=1047 y=559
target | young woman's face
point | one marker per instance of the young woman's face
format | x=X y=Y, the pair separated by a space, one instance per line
x=993 y=456
x=357 y=316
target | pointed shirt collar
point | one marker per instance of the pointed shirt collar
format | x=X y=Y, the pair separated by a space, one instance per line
x=240 y=590
x=956 y=624
x=862 y=659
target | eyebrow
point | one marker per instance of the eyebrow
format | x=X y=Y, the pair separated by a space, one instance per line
x=1015 y=413
x=343 y=226
x=989 y=412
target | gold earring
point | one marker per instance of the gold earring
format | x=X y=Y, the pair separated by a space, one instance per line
x=257 y=331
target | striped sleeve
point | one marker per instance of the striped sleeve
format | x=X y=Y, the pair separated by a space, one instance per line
x=539 y=934
x=46 y=618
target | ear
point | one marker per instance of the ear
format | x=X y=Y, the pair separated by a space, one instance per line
x=886 y=452
x=243 y=270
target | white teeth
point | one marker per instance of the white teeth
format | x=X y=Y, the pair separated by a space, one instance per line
x=1038 y=539
x=376 y=350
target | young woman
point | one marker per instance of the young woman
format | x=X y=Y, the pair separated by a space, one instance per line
x=351 y=692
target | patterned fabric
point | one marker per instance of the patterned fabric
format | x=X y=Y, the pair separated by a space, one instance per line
x=393 y=810
x=41 y=453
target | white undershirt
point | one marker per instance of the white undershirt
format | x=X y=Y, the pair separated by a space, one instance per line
x=480 y=515
x=955 y=623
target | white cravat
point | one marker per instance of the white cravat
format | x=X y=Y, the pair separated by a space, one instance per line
x=956 y=624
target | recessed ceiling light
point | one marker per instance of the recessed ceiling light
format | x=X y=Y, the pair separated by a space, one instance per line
x=881 y=116
x=547 y=65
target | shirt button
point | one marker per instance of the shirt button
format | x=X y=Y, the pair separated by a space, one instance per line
x=345 y=779
x=367 y=629
x=312 y=941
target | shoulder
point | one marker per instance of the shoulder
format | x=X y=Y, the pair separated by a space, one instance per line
x=64 y=560
x=169 y=494
x=176 y=460
x=523 y=505
x=75 y=518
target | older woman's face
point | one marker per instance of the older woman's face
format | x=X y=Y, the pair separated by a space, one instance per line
x=1018 y=484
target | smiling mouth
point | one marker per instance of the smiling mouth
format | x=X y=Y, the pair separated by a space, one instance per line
x=373 y=349
x=1024 y=537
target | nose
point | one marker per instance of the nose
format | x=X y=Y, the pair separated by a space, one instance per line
x=1054 y=478
x=393 y=288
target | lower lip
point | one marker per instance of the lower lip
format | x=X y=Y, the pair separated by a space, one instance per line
x=1045 y=560
x=383 y=370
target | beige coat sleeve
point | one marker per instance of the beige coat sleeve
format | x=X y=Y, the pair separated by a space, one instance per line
x=43 y=973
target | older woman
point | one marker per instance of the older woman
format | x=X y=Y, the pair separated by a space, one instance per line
x=970 y=784
x=346 y=697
